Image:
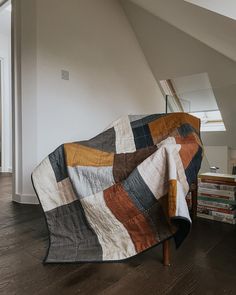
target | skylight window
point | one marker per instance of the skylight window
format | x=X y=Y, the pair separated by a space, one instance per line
x=210 y=120
x=194 y=95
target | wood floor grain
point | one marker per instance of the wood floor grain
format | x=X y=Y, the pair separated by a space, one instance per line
x=204 y=264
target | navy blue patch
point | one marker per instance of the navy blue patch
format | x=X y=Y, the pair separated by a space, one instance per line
x=194 y=166
x=185 y=129
x=142 y=137
x=138 y=191
x=57 y=160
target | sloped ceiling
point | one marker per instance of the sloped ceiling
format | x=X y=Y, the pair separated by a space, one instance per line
x=213 y=29
x=172 y=53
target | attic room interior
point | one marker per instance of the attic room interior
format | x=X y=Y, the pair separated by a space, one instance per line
x=117 y=147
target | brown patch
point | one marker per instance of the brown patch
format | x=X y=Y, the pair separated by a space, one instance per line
x=79 y=155
x=124 y=164
x=129 y=215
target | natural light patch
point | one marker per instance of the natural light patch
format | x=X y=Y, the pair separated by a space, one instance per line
x=5 y=6
x=8 y=7
x=210 y=120
x=223 y=7
x=194 y=94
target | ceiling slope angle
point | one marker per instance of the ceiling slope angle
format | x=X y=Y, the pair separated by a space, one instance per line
x=211 y=28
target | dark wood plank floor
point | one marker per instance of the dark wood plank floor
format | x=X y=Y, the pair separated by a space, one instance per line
x=205 y=264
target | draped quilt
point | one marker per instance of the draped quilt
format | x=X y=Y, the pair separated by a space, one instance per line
x=121 y=192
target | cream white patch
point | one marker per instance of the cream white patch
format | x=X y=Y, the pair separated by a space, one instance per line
x=112 y=235
x=51 y=193
x=124 y=136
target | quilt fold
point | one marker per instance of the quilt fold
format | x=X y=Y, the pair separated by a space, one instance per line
x=121 y=192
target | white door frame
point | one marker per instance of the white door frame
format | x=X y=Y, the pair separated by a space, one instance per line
x=5 y=117
x=18 y=194
x=2 y=88
x=1 y=91
x=16 y=94
x=5 y=108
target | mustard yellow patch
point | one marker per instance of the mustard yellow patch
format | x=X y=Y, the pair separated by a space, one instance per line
x=79 y=155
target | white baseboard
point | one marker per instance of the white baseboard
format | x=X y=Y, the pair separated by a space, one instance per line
x=25 y=199
x=8 y=170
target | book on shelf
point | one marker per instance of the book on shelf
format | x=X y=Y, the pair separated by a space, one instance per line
x=218 y=176
x=227 y=179
x=219 y=200
x=233 y=184
x=216 y=196
x=215 y=204
x=217 y=218
x=217 y=193
x=232 y=211
x=216 y=186
x=215 y=213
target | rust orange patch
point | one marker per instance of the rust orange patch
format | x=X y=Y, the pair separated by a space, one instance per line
x=128 y=214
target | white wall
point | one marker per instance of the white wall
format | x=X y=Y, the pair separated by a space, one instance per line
x=109 y=75
x=5 y=55
x=218 y=156
x=108 y=72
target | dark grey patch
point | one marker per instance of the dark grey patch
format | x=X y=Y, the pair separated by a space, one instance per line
x=194 y=166
x=145 y=201
x=138 y=191
x=105 y=141
x=159 y=221
x=71 y=237
x=57 y=160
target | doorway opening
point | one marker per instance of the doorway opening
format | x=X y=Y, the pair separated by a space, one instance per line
x=5 y=88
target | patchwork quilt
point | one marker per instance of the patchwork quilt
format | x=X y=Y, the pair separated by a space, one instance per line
x=121 y=192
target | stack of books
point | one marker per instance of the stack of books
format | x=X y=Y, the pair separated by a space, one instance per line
x=216 y=197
